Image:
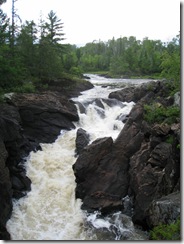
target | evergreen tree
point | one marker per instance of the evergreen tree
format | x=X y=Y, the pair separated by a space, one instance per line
x=54 y=28
x=50 y=50
x=27 y=47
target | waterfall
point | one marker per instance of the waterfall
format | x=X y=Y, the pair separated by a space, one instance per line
x=50 y=211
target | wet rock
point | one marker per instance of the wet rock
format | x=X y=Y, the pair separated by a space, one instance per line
x=153 y=174
x=99 y=103
x=124 y=95
x=98 y=176
x=176 y=130
x=44 y=115
x=177 y=99
x=165 y=210
x=113 y=102
x=104 y=202
x=81 y=107
x=156 y=91
x=73 y=88
x=5 y=192
x=101 y=169
x=131 y=136
x=4 y=234
x=160 y=129
x=154 y=141
x=123 y=117
x=82 y=140
x=161 y=153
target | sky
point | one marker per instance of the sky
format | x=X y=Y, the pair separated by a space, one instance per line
x=93 y=20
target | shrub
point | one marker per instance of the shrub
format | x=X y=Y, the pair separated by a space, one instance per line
x=166 y=232
x=27 y=87
x=156 y=113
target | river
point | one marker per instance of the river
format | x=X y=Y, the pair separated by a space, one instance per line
x=50 y=211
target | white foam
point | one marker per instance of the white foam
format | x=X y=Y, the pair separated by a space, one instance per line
x=50 y=210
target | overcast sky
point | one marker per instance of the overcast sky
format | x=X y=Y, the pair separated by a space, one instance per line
x=88 y=20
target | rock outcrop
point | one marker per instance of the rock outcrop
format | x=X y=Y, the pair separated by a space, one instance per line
x=143 y=162
x=154 y=90
x=13 y=148
x=25 y=121
x=82 y=140
x=165 y=210
x=101 y=169
x=44 y=115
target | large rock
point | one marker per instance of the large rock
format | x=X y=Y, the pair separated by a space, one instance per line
x=82 y=140
x=25 y=121
x=101 y=169
x=165 y=210
x=146 y=92
x=44 y=115
x=153 y=174
x=5 y=193
x=13 y=148
x=96 y=171
x=140 y=163
x=129 y=94
x=71 y=88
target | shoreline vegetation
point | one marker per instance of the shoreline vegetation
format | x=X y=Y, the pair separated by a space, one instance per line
x=31 y=56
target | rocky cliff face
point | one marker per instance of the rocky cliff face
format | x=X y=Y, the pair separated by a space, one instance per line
x=25 y=121
x=141 y=163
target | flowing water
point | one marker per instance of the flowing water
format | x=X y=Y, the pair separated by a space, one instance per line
x=50 y=211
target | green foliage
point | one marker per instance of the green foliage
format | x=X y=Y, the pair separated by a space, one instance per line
x=170 y=139
x=156 y=113
x=131 y=57
x=166 y=232
x=27 y=87
x=35 y=52
x=171 y=60
x=76 y=71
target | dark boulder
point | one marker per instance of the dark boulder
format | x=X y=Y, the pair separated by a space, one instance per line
x=101 y=169
x=165 y=210
x=128 y=94
x=139 y=163
x=5 y=192
x=82 y=140
x=147 y=92
x=44 y=115
x=96 y=171
x=153 y=174
x=160 y=155
x=66 y=86
x=25 y=121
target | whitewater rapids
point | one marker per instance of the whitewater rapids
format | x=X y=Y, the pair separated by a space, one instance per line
x=50 y=211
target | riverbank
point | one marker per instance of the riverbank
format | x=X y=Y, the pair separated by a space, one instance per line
x=26 y=120
x=148 y=149
x=146 y=152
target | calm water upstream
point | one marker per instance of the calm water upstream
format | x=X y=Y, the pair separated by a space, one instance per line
x=50 y=211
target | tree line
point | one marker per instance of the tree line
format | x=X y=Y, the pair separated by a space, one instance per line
x=30 y=52
x=130 y=57
x=33 y=53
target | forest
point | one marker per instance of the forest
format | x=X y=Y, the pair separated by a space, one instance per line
x=32 y=54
